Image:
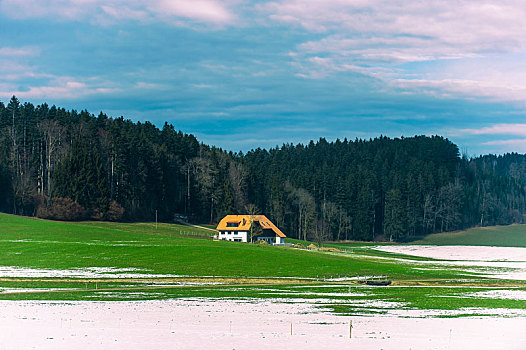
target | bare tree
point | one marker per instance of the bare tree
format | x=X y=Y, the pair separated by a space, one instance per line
x=306 y=211
x=52 y=134
x=187 y=169
x=277 y=208
x=13 y=106
x=255 y=229
x=344 y=223
x=109 y=157
x=320 y=232
x=329 y=217
x=238 y=176
x=205 y=177
x=429 y=212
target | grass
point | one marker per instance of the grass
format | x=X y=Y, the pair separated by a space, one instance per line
x=335 y=298
x=33 y=243
x=168 y=249
x=500 y=236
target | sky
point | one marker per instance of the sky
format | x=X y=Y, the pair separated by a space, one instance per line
x=243 y=74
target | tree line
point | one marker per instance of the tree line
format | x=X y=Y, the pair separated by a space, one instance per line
x=71 y=165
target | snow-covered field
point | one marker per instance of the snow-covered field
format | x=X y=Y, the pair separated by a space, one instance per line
x=245 y=324
x=299 y=322
x=89 y=272
x=464 y=253
x=496 y=262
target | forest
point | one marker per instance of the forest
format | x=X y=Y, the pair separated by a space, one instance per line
x=69 y=165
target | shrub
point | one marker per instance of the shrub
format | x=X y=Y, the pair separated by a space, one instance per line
x=115 y=211
x=330 y=249
x=61 y=209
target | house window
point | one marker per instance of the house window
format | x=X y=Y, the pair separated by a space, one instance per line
x=232 y=224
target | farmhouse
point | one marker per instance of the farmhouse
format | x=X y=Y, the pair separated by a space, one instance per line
x=237 y=228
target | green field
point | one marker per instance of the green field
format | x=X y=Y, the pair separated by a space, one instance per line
x=173 y=257
x=33 y=243
x=499 y=236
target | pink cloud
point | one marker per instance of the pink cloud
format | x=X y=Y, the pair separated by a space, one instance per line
x=18 y=51
x=516 y=145
x=201 y=10
x=124 y=13
x=65 y=9
x=103 y=11
x=465 y=22
x=60 y=87
x=380 y=36
x=498 y=129
x=493 y=89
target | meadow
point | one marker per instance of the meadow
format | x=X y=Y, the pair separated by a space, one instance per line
x=51 y=260
x=498 y=236
x=171 y=282
x=171 y=249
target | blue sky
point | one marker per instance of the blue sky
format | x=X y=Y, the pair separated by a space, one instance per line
x=242 y=74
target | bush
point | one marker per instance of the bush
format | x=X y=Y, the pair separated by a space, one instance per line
x=115 y=211
x=330 y=249
x=61 y=209
x=260 y=241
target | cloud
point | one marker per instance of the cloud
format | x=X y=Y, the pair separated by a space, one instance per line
x=208 y=11
x=453 y=88
x=141 y=85
x=213 y=12
x=480 y=25
x=65 y=9
x=18 y=51
x=383 y=50
x=512 y=142
x=124 y=13
x=58 y=88
x=14 y=66
x=497 y=129
x=437 y=47
x=502 y=146
x=203 y=86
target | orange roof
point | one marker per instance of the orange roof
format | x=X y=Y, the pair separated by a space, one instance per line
x=243 y=223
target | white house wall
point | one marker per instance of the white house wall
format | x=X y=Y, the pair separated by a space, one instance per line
x=239 y=236
x=242 y=236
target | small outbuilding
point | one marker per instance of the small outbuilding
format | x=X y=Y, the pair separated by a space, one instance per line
x=237 y=228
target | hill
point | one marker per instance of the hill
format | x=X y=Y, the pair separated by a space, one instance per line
x=140 y=248
x=499 y=236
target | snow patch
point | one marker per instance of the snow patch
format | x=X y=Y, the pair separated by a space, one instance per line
x=495 y=262
x=199 y=323
x=508 y=294
x=87 y=272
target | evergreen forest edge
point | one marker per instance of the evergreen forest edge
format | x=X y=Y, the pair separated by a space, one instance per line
x=70 y=165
